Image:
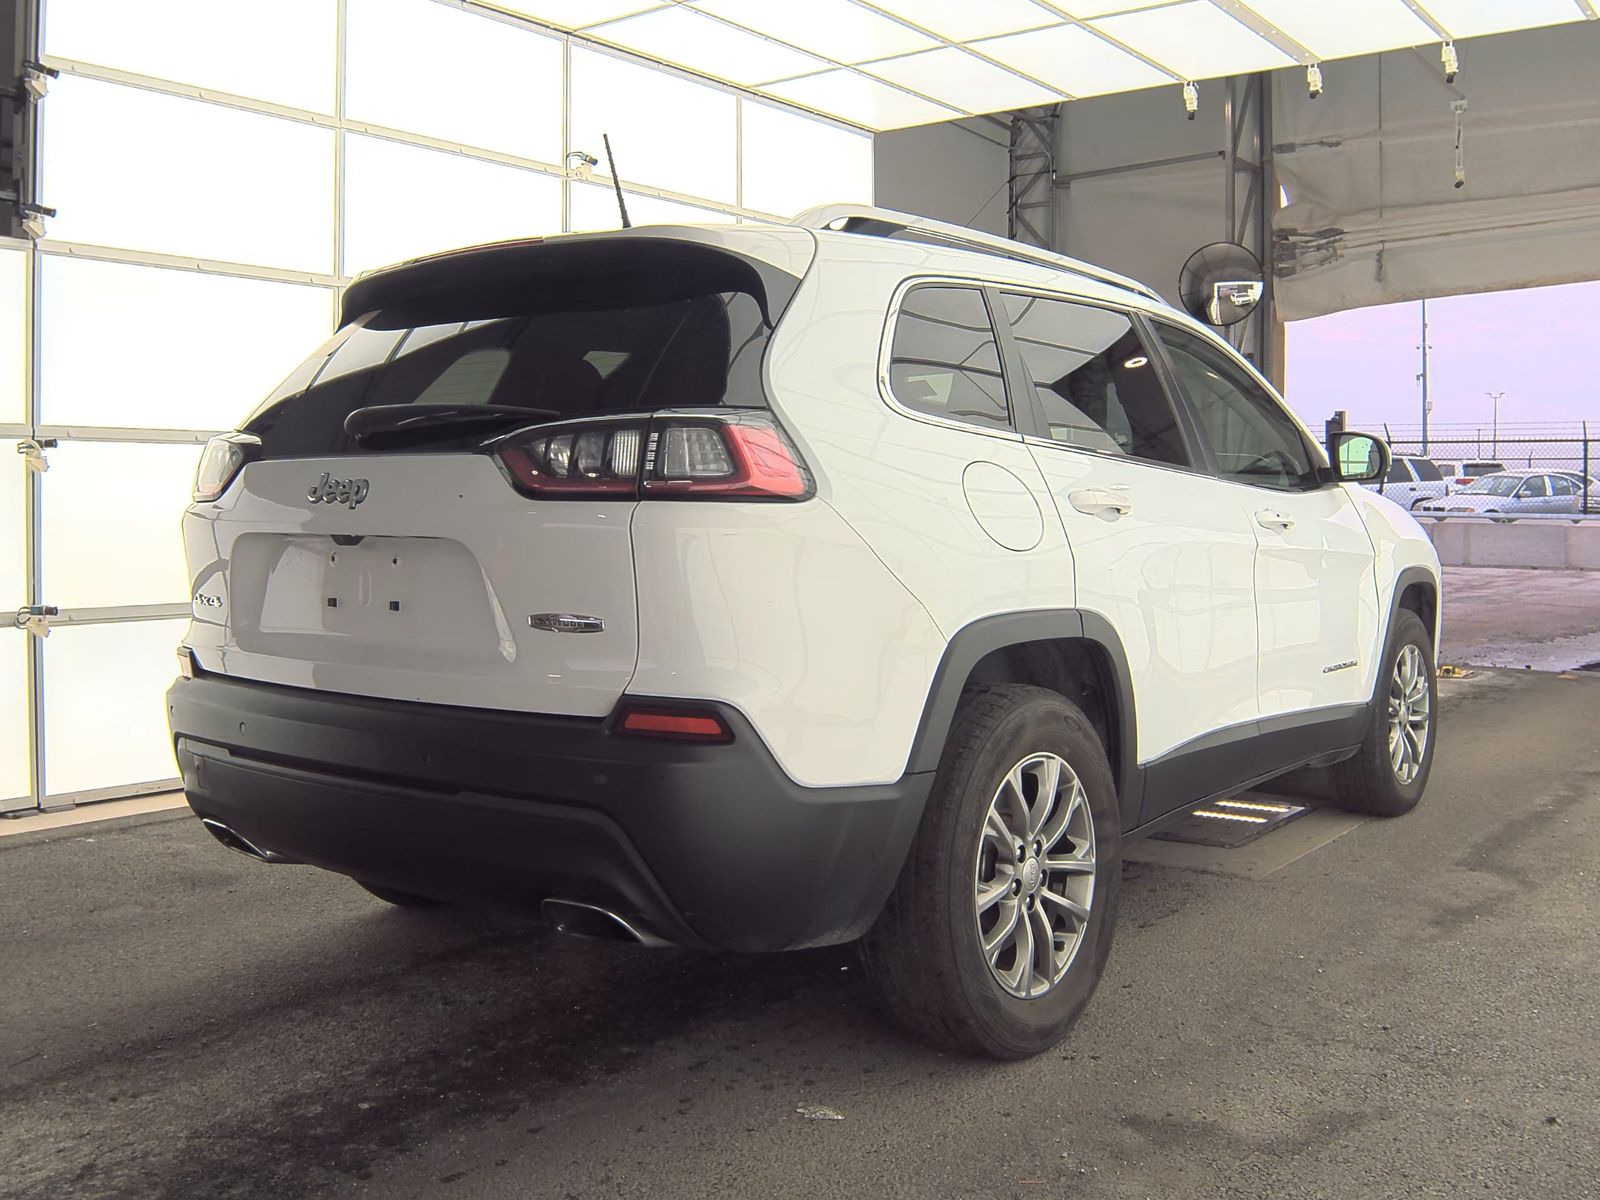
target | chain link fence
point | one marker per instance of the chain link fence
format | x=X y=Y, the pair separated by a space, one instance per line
x=1461 y=451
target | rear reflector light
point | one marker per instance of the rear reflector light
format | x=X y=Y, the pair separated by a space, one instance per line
x=223 y=458
x=675 y=723
x=186 y=662
x=740 y=456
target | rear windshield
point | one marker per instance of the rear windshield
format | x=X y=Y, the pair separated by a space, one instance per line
x=689 y=353
x=1426 y=470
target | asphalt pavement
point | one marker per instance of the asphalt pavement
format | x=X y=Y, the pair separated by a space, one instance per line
x=1412 y=1009
x=1523 y=619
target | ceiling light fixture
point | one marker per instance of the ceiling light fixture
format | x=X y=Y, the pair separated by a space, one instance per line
x=1191 y=98
x=1451 y=61
x=1137 y=361
x=1314 y=80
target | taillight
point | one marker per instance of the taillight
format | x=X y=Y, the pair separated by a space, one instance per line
x=690 y=725
x=223 y=458
x=743 y=456
x=578 y=458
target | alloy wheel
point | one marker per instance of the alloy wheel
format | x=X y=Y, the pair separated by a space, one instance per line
x=1033 y=883
x=1410 y=714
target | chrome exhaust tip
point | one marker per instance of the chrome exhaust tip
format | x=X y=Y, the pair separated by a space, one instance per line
x=236 y=841
x=588 y=920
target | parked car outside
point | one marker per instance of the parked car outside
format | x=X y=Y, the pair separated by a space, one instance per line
x=1412 y=480
x=760 y=588
x=1471 y=471
x=1512 y=492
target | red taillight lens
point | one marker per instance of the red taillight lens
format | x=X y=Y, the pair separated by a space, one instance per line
x=742 y=456
x=675 y=723
x=747 y=458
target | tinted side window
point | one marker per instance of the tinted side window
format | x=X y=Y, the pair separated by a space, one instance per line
x=1254 y=440
x=1560 y=485
x=1398 y=472
x=1094 y=379
x=1533 y=488
x=944 y=360
x=1426 y=470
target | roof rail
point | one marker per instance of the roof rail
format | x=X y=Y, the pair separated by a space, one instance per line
x=886 y=222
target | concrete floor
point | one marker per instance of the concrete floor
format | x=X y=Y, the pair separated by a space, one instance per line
x=1409 y=1010
x=1543 y=620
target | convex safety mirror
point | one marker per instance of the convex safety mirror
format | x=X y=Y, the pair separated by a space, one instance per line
x=1221 y=284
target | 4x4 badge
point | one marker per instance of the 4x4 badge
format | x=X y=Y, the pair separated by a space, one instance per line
x=338 y=491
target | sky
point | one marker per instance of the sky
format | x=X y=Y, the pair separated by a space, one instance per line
x=1540 y=346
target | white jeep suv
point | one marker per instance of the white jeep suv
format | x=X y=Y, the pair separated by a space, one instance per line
x=759 y=588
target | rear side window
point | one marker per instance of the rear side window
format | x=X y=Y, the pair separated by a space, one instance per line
x=1560 y=485
x=1094 y=379
x=1426 y=470
x=944 y=360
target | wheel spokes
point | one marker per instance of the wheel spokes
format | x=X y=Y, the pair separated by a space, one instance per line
x=995 y=941
x=1067 y=905
x=1032 y=900
x=996 y=891
x=1064 y=864
x=1062 y=819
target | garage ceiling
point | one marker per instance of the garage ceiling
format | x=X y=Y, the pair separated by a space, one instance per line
x=888 y=64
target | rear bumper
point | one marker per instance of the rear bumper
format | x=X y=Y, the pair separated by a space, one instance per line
x=703 y=845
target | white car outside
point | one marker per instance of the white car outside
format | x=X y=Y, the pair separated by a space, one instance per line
x=758 y=588
x=1411 y=480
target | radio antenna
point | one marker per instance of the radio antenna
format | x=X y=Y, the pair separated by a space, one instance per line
x=611 y=165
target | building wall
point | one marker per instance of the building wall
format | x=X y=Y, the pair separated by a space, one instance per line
x=951 y=172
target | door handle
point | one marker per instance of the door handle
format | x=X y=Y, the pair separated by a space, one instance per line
x=1100 y=502
x=1268 y=519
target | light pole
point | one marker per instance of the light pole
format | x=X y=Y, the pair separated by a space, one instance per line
x=1423 y=377
x=1495 y=451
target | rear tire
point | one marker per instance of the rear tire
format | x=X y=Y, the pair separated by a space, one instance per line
x=398 y=898
x=965 y=878
x=1387 y=776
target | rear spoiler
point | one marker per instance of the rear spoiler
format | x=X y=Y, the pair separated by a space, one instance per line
x=571 y=273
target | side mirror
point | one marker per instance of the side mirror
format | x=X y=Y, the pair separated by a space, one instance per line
x=1359 y=458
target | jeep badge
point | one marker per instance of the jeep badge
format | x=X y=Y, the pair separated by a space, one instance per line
x=338 y=491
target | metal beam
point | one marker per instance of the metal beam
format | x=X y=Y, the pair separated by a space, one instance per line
x=1150 y=164
x=1031 y=177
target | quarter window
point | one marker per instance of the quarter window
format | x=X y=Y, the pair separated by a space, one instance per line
x=944 y=360
x=1255 y=441
x=1095 y=380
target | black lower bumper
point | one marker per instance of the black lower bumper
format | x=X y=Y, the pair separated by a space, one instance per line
x=703 y=845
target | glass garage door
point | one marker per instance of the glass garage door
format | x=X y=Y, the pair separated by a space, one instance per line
x=219 y=170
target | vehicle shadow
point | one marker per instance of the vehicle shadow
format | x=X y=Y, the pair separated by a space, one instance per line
x=423 y=1023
